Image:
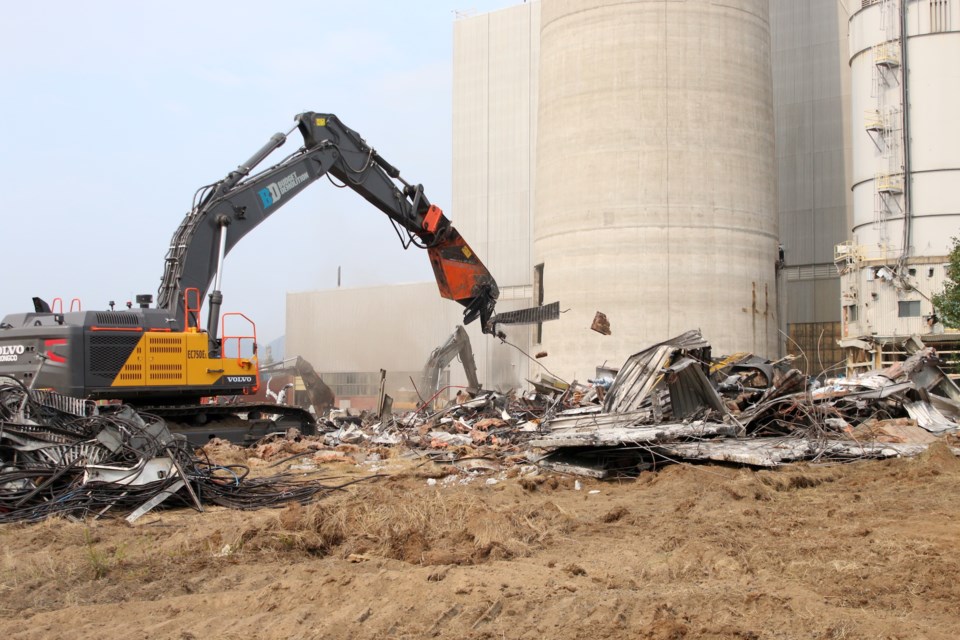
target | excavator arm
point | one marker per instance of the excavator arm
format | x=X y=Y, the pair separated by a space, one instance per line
x=458 y=344
x=317 y=391
x=226 y=211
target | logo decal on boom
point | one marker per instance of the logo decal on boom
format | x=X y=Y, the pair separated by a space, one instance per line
x=272 y=193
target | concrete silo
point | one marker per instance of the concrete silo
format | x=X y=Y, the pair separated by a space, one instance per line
x=655 y=182
x=904 y=57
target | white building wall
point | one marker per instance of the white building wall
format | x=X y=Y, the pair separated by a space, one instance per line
x=906 y=163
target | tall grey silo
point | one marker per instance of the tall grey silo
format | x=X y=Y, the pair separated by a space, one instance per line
x=655 y=182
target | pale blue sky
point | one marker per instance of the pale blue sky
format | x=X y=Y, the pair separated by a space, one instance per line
x=115 y=112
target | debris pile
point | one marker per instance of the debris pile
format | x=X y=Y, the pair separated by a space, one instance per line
x=60 y=456
x=672 y=402
x=668 y=403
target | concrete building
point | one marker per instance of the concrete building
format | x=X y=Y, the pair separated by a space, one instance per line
x=904 y=58
x=811 y=92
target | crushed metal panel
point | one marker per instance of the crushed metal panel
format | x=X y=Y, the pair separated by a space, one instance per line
x=65 y=404
x=771 y=452
x=923 y=371
x=592 y=420
x=579 y=411
x=885 y=392
x=146 y=472
x=533 y=315
x=615 y=435
x=892 y=430
x=690 y=390
x=578 y=468
x=946 y=406
x=928 y=417
x=640 y=373
x=857 y=450
x=756 y=452
x=147 y=506
x=637 y=378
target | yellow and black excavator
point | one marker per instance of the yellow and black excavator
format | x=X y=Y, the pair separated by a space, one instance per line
x=160 y=359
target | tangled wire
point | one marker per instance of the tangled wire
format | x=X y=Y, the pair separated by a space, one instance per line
x=65 y=457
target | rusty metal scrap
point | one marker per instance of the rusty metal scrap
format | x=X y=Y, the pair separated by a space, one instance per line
x=600 y=324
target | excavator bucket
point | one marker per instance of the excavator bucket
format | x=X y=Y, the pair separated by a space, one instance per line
x=462 y=277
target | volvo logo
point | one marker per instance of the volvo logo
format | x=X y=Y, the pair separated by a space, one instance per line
x=11 y=352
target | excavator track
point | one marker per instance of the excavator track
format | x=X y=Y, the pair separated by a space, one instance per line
x=241 y=423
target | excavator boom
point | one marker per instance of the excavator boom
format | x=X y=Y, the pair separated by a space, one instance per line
x=229 y=209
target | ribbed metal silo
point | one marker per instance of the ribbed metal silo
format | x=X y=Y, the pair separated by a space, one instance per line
x=655 y=182
x=905 y=68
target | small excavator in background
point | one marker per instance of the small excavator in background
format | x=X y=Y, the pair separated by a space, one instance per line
x=458 y=344
x=319 y=396
x=162 y=360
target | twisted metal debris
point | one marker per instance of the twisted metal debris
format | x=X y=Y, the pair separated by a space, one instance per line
x=672 y=402
x=62 y=456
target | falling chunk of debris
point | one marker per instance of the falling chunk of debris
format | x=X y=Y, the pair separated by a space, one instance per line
x=601 y=324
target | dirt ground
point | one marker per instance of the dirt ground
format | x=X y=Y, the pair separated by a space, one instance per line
x=864 y=550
